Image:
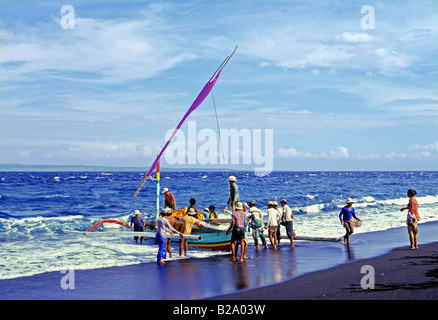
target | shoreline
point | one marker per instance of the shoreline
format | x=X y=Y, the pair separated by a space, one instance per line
x=217 y=278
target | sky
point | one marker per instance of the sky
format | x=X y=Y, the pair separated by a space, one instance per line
x=340 y=87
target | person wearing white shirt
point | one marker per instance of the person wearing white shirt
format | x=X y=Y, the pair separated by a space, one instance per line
x=274 y=218
x=288 y=218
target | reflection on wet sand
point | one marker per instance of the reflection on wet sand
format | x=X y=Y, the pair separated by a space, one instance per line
x=200 y=278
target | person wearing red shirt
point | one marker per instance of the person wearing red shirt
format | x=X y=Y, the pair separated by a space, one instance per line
x=412 y=218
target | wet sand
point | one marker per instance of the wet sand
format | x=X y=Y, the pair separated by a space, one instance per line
x=288 y=273
x=402 y=274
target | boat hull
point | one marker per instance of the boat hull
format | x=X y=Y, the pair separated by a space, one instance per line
x=212 y=241
x=213 y=235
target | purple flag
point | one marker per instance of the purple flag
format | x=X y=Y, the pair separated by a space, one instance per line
x=201 y=97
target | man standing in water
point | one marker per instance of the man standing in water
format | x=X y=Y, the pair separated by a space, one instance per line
x=345 y=216
x=237 y=227
x=234 y=192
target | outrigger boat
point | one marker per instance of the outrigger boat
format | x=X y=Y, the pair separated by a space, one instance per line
x=206 y=233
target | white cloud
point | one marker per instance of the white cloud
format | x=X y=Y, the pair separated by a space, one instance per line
x=102 y=151
x=353 y=37
x=427 y=147
x=415 y=151
x=391 y=61
x=96 y=50
x=292 y=153
x=339 y=152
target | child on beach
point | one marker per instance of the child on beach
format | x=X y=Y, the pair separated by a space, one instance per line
x=412 y=218
x=163 y=226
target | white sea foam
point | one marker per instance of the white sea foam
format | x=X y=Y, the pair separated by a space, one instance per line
x=53 y=250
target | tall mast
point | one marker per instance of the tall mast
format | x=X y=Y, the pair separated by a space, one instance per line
x=158 y=190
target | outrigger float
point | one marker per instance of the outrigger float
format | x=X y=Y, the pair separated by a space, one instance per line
x=206 y=233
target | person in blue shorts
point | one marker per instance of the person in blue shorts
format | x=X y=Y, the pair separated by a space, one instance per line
x=163 y=226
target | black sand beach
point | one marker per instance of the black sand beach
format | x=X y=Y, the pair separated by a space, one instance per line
x=401 y=274
x=288 y=273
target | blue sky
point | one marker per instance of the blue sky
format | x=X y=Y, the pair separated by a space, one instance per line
x=337 y=96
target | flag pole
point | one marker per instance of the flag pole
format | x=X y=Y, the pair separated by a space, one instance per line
x=158 y=190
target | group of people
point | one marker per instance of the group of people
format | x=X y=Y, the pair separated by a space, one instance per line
x=166 y=223
x=253 y=220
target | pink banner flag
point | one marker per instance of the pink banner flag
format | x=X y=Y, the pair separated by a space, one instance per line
x=201 y=97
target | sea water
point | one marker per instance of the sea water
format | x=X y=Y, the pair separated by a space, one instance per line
x=37 y=207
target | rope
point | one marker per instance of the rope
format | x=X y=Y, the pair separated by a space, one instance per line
x=220 y=138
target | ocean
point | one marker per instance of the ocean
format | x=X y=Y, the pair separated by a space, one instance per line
x=36 y=208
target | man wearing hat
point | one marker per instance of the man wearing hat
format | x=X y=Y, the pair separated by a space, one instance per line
x=238 y=231
x=234 y=192
x=186 y=228
x=280 y=222
x=256 y=223
x=274 y=219
x=169 y=199
x=163 y=226
x=287 y=218
x=345 y=216
x=137 y=224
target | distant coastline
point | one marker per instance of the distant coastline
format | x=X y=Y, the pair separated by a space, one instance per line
x=11 y=167
x=17 y=167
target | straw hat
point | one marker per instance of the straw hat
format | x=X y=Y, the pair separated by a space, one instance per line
x=274 y=203
x=239 y=206
x=349 y=200
x=254 y=209
x=232 y=178
x=165 y=211
x=191 y=212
